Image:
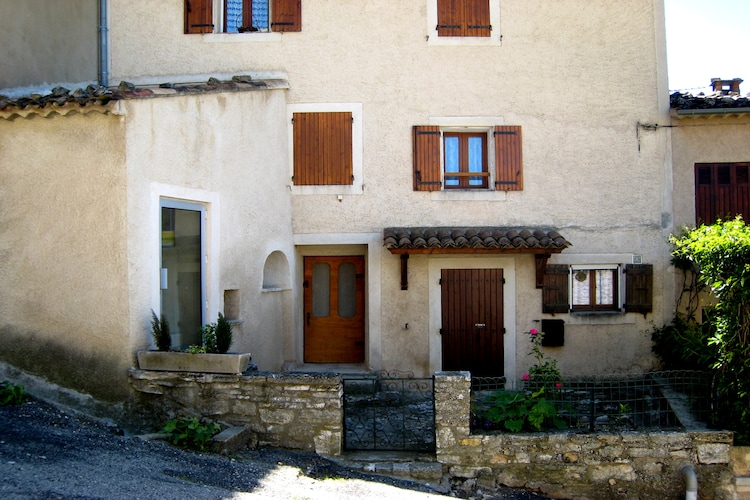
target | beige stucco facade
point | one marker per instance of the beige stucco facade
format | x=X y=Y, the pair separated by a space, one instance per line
x=579 y=79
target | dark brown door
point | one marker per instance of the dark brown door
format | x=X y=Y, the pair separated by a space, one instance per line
x=334 y=309
x=472 y=312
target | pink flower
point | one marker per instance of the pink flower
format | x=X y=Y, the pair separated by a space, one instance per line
x=559 y=384
x=525 y=376
x=533 y=331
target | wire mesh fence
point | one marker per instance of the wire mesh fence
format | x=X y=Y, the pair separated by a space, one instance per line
x=651 y=401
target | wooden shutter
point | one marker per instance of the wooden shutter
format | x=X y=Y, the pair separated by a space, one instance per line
x=449 y=14
x=555 y=289
x=323 y=149
x=639 y=288
x=508 y=158
x=286 y=15
x=477 y=18
x=199 y=16
x=427 y=158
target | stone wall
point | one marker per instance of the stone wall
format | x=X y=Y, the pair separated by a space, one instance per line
x=568 y=465
x=285 y=410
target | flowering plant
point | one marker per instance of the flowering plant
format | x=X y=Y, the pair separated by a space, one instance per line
x=544 y=373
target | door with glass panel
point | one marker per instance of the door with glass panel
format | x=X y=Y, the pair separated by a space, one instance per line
x=182 y=297
x=334 y=309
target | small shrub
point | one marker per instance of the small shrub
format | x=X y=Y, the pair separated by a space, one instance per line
x=160 y=332
x=11 y=394
x=189 y=432
x=223 y=334
x=519 y=411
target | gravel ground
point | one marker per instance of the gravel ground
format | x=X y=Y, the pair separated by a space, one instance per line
x=47 y=453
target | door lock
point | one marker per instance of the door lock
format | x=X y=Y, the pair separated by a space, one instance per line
x=479 y=325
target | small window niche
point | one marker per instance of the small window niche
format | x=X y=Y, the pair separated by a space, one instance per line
x=232 y=305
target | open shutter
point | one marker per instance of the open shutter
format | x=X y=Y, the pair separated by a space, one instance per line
x=555 y=289
x=450 y=18
x=639 y=288
x=323 y=149
x=427 y=158
x=199 y=16
x=508 y=158
x=477 y=18
x=286 y=15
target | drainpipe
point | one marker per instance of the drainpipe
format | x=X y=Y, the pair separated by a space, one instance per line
x=691 y=483
x=103 y=45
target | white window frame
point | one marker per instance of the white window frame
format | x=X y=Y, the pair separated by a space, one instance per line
x=495 y=37
x=617 y=306
x=357 y=186
x=219 y=36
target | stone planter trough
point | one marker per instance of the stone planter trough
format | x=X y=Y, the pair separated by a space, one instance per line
x=175 y=361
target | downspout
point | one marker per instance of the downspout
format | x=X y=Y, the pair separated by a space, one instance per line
x=691 y=483
x=103 y=45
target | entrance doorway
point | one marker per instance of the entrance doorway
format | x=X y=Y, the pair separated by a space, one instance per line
x=334 y=309
x=182 y=271
x=472 y=321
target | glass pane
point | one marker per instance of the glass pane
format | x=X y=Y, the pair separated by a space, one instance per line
x=321 y=290
x=260 y=15
x=476 y=159
x=605 y=287
x=581 y=288
x=234 y=15
x=723 y=174
x=451 y=160
x=347 y=290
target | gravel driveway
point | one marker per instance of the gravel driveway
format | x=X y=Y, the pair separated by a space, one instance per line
x=46 y=453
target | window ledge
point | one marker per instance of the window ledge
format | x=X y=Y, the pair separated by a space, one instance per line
x=252 y=36
x=456 y=41
x=271 y=289
x=598 y=313
x=469 y=195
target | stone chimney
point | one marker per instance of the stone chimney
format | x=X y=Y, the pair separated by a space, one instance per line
x=726 y=87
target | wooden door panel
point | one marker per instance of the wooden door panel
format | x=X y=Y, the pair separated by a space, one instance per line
x=472 y=314
x=335 y=334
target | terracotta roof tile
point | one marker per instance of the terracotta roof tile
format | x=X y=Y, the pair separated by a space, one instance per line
x=480 y=238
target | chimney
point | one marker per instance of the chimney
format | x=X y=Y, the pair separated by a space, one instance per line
x=726 y=87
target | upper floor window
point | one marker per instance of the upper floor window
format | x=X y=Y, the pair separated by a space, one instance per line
x=449 y=158
x=242 y=16
x=463 y=18
x=722 y=191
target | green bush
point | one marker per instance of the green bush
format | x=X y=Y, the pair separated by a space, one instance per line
x=684 y=344
x=160 y=332
x=189 y=432
x=215 y=337
x=11 y=394
x=519 y=411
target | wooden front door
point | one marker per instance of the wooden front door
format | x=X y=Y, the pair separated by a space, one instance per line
x=472 y=314
x=334 y=309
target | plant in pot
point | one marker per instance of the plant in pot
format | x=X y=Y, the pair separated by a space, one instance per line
x=160 y=332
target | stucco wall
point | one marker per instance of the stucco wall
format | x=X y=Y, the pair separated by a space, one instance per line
x=48 y=42
x=64 y=305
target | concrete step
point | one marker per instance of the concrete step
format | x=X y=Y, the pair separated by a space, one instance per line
x=404 y=465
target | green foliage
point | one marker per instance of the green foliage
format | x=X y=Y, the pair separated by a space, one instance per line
x=223 y=334
x=160 y=332
x=11 y=394
x=544 y=372
x=208 y=338
x=189 y=432
x=684 y=344
x=721 y=254
x=519 y=411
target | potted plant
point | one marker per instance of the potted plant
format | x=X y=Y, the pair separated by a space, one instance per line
x=209 y=357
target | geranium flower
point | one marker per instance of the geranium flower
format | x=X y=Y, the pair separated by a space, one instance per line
x=533 y=331
x=525 y=376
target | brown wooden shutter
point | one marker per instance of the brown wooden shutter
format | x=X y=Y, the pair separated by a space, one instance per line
x=427 y=166
x=639 y=288
x=555 y=289
x=477 y=18
x=508 y=158
x=323 y=149
x=199 y=16
x=286 y=15
x=450 y=18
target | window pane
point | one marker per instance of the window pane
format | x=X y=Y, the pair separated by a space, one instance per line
x=742 y=174
x=581 y=288
x=234 y=15
x=321 y=290
x=451 y=160
x=723 y=174
x=476 y=159
x=347 y=290
x=260 y=15
x=605 y=287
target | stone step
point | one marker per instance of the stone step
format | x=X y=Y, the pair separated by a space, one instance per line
x=416 y=466
x=233 y=439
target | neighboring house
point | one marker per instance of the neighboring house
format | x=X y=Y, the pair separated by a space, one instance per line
x=402 y=186
x=710 y=157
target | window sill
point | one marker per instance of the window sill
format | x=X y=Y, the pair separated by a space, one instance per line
x=252 y=36
x=598 y=313
x=457 y=41
x=469 y=195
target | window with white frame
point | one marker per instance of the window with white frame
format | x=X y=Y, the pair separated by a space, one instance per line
x=594 y=289
x=242 y=16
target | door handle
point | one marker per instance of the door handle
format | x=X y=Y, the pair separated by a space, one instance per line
x=479 y=325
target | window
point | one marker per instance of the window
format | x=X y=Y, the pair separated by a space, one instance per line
x=325 y=148
x=578 y=288
x=445 y=158
x=463 y=18
x=722 y=190
x=241 y=16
